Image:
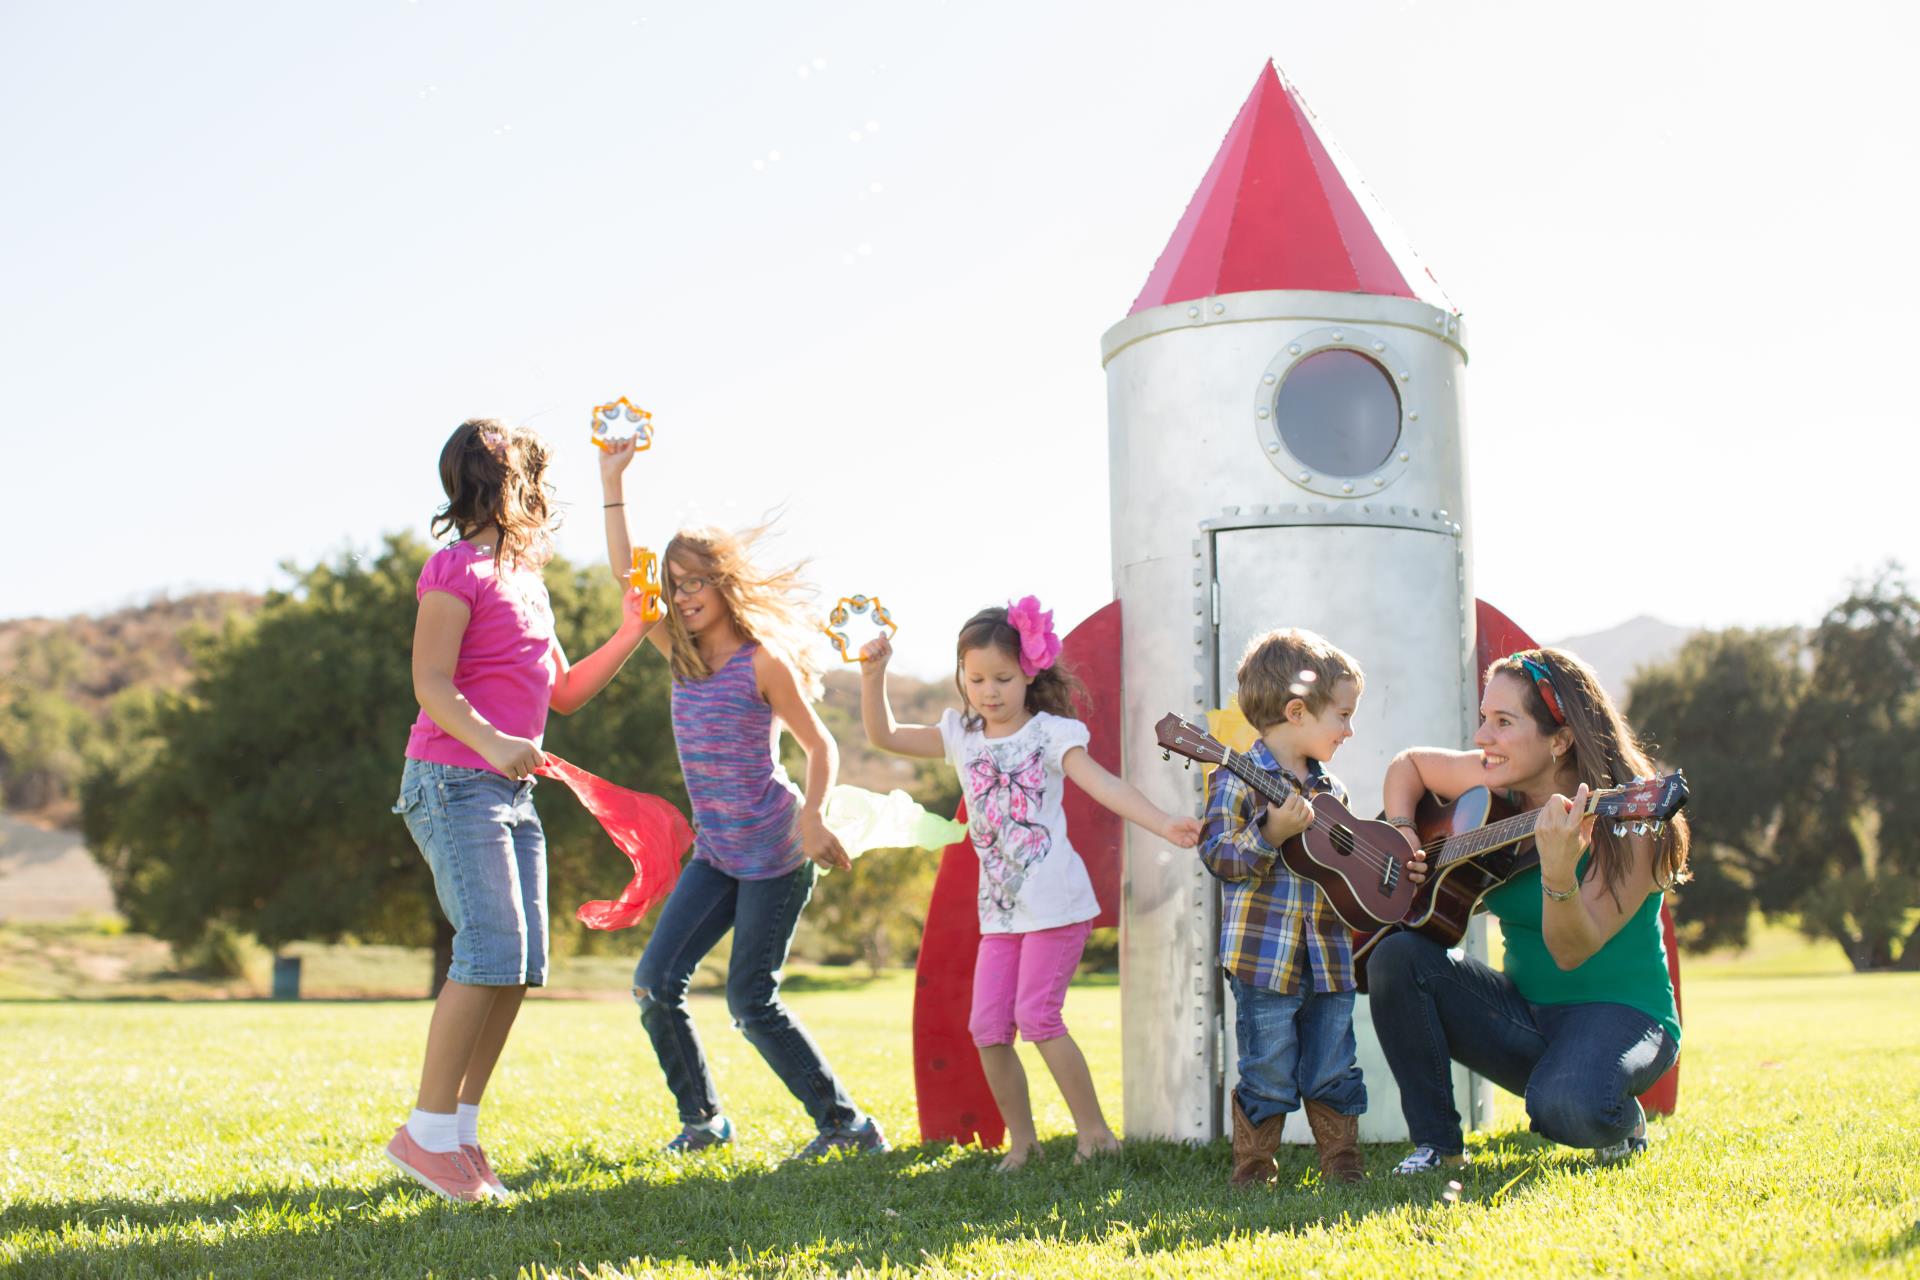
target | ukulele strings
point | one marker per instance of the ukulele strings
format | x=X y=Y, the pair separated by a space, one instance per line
x=1378 y=859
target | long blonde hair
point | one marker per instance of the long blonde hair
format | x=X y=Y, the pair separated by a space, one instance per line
x=768 y=607
x=1606 y=753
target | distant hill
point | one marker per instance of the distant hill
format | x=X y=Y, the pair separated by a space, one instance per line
x=61 y=680
x=914 y=702
x=92 y=658
x=1618 y=652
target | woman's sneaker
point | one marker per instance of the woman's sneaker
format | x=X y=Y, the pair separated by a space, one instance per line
x=1427 y=1159
x=716 y=1132
x=1628 y=1147
x=862 y=1138
x=445 y=1173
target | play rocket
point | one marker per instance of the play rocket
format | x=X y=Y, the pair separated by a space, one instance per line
x=1286 y=448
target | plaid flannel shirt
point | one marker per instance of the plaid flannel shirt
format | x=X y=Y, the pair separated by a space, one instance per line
x=1277 y=930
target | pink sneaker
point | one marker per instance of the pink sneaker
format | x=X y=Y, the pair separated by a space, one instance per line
x=478 y=1159
x=445 y=1173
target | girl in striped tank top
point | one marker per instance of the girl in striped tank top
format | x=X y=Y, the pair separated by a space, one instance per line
x=736 y=639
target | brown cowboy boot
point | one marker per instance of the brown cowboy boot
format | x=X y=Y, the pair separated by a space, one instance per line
x=1338 y=1138
x=1253 y=1148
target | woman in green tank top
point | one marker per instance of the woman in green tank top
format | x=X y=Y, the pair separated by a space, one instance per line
x=1582 y=1019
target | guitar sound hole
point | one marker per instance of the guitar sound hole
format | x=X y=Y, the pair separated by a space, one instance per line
x=1343 y=841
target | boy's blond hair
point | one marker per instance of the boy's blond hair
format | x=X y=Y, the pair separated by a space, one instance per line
x=1287 y=664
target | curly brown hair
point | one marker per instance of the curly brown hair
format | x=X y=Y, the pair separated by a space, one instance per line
x=1056 y=690
x=495 y=478
x=1606 y=753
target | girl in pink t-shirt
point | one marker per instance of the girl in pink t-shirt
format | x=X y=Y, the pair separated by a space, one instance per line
x=486 y=668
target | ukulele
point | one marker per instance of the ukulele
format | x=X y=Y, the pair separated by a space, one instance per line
x=1478 y=843
x=1361 y=866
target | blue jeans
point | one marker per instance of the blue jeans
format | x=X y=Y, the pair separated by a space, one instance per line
x=482 y=839
x=704 y=904
x=1580 y=1067
x=1294 y=1047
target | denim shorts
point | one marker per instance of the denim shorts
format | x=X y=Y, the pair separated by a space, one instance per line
x=483 y=841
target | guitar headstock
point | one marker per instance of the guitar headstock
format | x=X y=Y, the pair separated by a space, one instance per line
x=1644 y=804
x=1183 y=737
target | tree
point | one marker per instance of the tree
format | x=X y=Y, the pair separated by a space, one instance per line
x=1721 y=709
x=1852 y=844
x=262 y=797
x=1804 y=759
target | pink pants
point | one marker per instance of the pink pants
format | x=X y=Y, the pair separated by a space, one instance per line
x=1020 y=980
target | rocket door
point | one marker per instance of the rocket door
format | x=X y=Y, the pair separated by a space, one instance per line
x=1396 y=599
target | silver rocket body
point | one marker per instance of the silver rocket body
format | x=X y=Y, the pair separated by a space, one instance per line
x=1248 y=493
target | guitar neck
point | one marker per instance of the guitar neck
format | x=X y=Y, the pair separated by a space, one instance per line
x=1470 y=844
x=1276 y=790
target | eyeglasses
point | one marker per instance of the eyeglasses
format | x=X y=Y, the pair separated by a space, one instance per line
x=1544 y=683
x=688 y=586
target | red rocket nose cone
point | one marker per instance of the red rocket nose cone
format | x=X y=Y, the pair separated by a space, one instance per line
x=1276 y=211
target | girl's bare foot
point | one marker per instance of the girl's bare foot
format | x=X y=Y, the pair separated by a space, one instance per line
x=1017 y=1157
x=1094 y=1146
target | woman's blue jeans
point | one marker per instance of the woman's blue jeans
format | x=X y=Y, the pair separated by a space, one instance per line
x=704 y=904
x=1580 y=1067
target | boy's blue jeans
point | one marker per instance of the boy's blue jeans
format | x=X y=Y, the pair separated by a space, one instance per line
x=1294 y=1048
x=704 y=904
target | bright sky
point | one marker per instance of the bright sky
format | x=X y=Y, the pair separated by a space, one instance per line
x=259 y=260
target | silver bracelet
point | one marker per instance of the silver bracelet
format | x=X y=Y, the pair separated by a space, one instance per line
x=1560 y=895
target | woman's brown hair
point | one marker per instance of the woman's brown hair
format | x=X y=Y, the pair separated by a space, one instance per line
x=1606 y=753
x=1055 y=690
x=495 y=478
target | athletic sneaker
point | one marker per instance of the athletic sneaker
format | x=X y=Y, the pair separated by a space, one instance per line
x=1631 y=1145
x=478 y=1159
x=1426 y=1159
x=698 y=1137
x=861 y=1139
x=445 y=1173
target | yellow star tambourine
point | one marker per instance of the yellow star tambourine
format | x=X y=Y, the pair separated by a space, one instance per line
x=613 y=423
x=849 y=608
x=646 y=577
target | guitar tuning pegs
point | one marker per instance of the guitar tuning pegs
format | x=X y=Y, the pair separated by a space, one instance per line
x=1639 y=828
x=1659 y=825
x=1165 y=754
x=1187 y=765
x=1619 y=828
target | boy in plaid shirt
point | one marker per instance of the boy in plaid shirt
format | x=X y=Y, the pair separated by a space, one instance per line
x=1287 y=955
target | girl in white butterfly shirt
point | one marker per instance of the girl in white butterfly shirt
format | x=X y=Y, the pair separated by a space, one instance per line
x=1014 y=748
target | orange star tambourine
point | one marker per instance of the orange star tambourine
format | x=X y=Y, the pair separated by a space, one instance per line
x=849 y=608
x=613 y=423
x=646 y=577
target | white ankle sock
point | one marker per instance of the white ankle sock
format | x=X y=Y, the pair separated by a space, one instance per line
x=469 y=1114
x=435 y=1131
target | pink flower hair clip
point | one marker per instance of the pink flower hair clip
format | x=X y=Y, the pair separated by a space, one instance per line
x=1039 y=647
x=494 y=441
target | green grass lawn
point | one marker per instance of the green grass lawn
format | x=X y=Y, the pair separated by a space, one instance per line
x=242 y=1138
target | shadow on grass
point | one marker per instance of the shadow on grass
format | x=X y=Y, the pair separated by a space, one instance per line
x=1894 y=1246
x=580 y=1208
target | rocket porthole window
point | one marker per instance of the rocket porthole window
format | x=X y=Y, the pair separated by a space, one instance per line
x=1338 y=412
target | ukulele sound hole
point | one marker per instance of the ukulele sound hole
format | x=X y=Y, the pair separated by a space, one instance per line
x=1343 y=841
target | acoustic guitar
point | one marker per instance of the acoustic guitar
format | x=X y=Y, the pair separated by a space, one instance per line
x=1477 y=843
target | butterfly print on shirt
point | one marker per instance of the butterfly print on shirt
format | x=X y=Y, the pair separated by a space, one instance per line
x=1003 y=803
